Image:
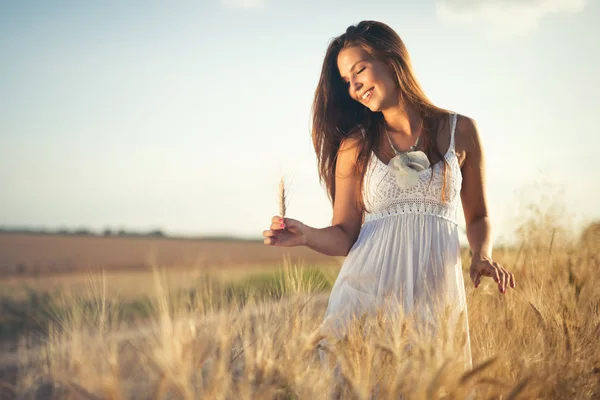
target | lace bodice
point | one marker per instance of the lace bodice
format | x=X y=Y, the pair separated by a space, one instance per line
x=384 y=198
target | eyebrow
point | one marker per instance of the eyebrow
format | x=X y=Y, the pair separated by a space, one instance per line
x=352 y=67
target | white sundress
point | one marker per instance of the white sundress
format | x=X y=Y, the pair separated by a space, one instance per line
x=407 y=247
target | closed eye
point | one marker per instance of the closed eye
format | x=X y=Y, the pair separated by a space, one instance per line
x=359 y=71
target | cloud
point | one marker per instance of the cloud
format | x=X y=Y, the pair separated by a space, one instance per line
x=243 y=3
x=503 y=18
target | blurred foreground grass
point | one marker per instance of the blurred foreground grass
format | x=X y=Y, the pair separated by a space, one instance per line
x=28 y=310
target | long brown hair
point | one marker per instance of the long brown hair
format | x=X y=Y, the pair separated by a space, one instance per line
x=337 y=116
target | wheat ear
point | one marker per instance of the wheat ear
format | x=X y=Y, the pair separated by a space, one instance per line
x=282 y=198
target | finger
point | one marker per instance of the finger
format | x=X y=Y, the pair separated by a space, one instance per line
x=289 y=221
x=278 y=225
x=502 y=276
x=473 y=273
x=272 y=241
x=269 y=233
x=292 y=225
x=477 y=280
x=277 y=219
x=493 y=272
x=506 y=278
x=476 y=272
x=512 y=281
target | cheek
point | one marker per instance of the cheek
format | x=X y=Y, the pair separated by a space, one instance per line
x=385 y=77
x=372 y=76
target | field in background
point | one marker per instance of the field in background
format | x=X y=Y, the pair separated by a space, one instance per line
x=29 y=255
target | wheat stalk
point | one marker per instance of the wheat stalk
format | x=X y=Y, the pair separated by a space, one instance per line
x=518 y=388
x=282 y=198
x=538 y=314
x=467 y=376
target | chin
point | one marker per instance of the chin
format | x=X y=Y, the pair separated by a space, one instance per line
x=373 y=107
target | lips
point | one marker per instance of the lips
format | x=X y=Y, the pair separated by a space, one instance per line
x=366 y=96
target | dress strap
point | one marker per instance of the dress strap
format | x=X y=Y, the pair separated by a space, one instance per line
x=453 y=118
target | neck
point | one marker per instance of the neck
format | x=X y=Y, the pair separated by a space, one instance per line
x=402 y=120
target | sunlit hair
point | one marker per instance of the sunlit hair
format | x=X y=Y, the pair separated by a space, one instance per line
x=337 y=116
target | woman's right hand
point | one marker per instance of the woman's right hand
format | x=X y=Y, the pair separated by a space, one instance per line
x=286 y=232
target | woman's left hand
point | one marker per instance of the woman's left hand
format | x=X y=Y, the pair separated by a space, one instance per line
x=484 y=266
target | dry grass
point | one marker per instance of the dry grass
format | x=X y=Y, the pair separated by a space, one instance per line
x=539 y=340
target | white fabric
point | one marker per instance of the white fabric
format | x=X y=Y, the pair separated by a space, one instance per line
x=408 y=247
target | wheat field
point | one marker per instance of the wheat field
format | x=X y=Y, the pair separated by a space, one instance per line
x=260 y=340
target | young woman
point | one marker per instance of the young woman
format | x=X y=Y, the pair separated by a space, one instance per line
x=394 y=166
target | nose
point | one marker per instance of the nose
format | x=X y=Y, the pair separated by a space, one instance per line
x=356 y=85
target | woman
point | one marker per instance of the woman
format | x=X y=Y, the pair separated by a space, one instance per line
x=394 y=165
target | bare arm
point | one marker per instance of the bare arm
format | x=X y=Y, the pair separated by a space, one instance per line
x=474 y=201
x=473 y=193
x=337 y=239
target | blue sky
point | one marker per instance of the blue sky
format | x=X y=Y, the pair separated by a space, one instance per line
x=183 y=115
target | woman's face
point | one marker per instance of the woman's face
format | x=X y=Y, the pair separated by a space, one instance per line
x=369 y=81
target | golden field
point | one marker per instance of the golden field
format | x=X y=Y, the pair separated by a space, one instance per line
x=243 y=335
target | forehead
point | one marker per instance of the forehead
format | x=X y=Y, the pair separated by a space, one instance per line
x=349 y=56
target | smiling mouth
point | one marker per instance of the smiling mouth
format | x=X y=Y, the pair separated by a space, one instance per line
x=367 y=95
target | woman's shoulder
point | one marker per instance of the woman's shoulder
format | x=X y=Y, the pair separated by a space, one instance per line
x=465 y=125
x=466 y=135
x=349 y=150
x=354 y=138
